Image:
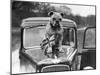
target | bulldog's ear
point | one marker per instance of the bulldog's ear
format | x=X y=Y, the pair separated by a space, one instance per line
x=50 y=13
x=62 y=14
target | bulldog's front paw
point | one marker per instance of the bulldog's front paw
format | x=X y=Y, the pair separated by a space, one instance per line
x=61 y=49
x=49 y=50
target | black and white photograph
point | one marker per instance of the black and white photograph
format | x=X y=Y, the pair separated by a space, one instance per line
x=52 y=37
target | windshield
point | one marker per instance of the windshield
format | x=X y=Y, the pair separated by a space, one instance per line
x=90 y=38
x=34 y=36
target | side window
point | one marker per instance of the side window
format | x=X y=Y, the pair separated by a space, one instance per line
x=90 y=38
x=69 y=36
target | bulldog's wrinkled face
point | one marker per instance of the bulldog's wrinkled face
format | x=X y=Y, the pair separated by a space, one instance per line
x=55 y=20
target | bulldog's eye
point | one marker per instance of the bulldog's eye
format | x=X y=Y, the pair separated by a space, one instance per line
x=54 y=19
x=60 y=19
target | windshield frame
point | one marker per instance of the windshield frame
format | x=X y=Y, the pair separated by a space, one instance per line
x=22 y=34
x=84 y=38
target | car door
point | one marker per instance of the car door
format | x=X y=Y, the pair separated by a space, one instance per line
x=88 y=55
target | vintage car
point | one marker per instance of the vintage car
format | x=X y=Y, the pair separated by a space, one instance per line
x=88 y=52
x=32 y=32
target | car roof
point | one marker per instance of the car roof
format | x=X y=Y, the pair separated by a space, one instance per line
x=35 y=21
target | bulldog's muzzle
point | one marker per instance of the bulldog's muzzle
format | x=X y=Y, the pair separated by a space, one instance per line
x=57 y=23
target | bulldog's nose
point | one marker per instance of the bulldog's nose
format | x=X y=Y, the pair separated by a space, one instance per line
x=57 y=22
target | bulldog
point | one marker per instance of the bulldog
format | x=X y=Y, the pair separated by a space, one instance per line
x=54 y=28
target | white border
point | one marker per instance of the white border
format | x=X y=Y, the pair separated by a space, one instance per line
x=5 y=37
